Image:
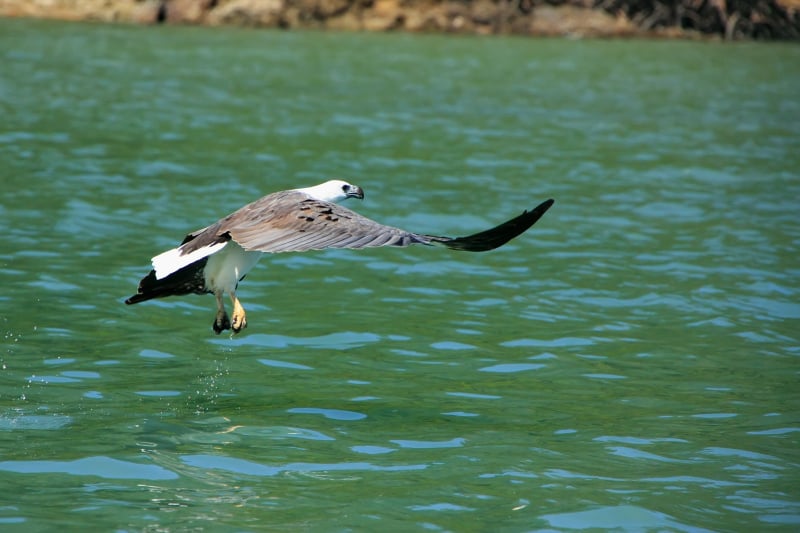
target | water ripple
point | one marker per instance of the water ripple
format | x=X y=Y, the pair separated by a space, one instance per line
x=452 y=443
x=623 y=517
x=511 y=367
x=35 y=422
x=104 y=467
x=335 y=341
x=332 y=414
x=251 y=468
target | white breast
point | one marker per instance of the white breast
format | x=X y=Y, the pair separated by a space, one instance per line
x=226 y=267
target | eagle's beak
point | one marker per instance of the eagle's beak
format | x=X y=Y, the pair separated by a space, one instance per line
x=355 y=192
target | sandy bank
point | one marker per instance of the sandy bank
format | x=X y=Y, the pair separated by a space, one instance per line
x=728 y=19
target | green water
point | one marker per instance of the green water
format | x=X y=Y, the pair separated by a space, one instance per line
x=631 y=363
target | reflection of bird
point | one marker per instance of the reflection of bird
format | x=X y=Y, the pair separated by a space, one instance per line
x=216 y=258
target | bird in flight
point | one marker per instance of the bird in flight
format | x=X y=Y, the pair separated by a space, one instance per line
x=216 y=258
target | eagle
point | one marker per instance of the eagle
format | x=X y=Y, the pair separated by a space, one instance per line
x=216 y=258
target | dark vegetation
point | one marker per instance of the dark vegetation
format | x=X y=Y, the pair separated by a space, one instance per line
x=732 y=19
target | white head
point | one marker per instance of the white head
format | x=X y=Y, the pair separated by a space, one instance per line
x=334 y=191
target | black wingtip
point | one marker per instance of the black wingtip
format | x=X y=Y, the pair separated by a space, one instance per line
x=136 y=298
x=499 y=235
x=189 y=279
x=145 y=291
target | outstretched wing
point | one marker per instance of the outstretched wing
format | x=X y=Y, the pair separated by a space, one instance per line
x=291 y=222
x=499 y=235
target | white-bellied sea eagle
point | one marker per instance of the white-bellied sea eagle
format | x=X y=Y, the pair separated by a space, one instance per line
x=216 y=258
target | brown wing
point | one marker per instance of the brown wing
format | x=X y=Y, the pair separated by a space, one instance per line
x=290 y=221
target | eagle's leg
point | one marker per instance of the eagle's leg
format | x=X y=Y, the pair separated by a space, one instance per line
x=239 y=318
x=221 y=322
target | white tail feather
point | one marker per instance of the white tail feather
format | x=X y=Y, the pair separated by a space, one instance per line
x=172 y=260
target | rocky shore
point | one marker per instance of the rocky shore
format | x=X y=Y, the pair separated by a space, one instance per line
x=724 y=19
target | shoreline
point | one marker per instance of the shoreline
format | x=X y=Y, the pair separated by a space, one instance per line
x=685 y=19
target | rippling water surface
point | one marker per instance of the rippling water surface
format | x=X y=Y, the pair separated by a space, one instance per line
x=631 y=363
